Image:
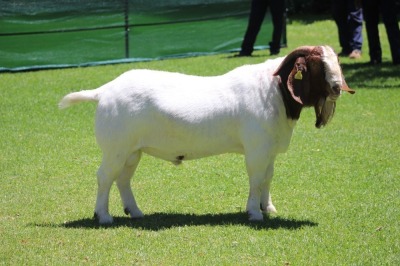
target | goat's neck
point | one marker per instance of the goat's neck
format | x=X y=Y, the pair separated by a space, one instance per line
x=293 y=108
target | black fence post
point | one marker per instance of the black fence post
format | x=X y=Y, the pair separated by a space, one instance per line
x=126 y=10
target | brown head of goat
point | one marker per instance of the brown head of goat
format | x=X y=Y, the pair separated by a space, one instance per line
x=311 y=76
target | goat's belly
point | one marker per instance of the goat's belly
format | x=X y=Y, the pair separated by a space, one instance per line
x=177 y=152
x=184 y=141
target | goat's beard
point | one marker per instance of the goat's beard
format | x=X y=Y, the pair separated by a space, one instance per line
x=324 y=111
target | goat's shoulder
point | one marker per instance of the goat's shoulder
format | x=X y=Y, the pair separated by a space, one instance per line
x=266 y=68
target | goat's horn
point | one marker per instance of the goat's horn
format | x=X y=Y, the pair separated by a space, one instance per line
x=300 y=51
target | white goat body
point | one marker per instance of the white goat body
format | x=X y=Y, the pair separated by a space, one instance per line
x=171 y=115
x=179 y=117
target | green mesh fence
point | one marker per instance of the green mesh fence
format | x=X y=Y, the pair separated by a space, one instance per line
x=38 y=34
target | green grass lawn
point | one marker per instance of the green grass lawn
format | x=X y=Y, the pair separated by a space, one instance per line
x=337 y=190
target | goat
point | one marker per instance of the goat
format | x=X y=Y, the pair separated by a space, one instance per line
x=251 y=110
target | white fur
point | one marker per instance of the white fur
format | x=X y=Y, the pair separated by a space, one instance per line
x=168 y=115
x=333 y=72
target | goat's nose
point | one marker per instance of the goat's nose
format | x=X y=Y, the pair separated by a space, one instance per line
x=336 y=89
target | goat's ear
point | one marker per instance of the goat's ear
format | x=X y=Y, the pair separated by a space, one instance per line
x=345 y=87
x=286 y=66
x=287 y=71
x=298 y=82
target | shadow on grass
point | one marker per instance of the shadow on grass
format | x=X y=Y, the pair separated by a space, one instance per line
x=366 y=76
x=306 y=19
x=163 y=221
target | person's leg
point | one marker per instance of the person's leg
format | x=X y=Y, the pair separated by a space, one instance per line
x=277 y=8
x=389 y=17
x=355 y=20
x=257 y=14
x=371 y=16
x=339 y=12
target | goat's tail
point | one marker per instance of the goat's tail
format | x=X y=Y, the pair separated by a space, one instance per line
x=81 y=96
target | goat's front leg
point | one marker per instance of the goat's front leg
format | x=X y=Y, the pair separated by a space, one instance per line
x=266 y=201
x=260 y=170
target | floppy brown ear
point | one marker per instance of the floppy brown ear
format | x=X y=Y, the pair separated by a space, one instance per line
x=298 y=82
x=294 y=73
x=345 y=87
x=287 y=64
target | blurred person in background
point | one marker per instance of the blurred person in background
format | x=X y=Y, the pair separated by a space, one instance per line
x=257 y=14
x=388 y=9
x=349 y=18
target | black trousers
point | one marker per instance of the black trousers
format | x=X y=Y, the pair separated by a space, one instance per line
x=372 y=9
x=257 y=14
x=349 y=19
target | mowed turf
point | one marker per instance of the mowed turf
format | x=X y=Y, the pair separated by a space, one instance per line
x=336 y=189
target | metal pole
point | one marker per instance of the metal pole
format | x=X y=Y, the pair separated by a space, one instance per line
x=126 y=10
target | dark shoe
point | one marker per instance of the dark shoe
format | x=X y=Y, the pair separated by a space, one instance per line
x=242 y=54
x=274 y=48
x=274 y=51
x=375 y=62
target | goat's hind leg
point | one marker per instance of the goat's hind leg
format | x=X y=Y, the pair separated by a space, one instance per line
x=108 y=172
x=124 y=186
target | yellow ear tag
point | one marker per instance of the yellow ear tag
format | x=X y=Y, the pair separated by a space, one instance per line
x=298 y=75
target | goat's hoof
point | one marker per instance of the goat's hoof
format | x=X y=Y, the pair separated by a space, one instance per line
x=255 y=216
x=137 y=214
x=134 y=214
x=270 y=209
x=103 y=219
